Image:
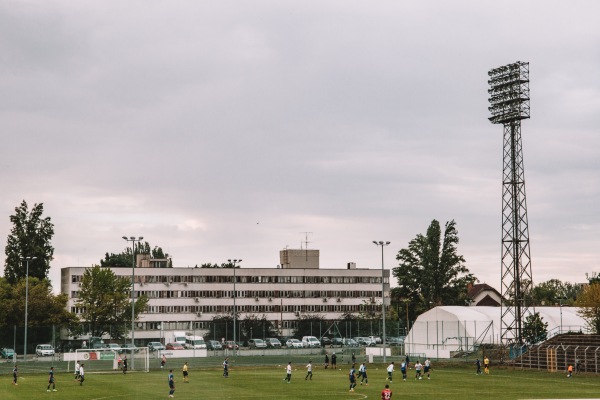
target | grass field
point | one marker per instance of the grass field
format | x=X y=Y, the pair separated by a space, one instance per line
x=266 y=382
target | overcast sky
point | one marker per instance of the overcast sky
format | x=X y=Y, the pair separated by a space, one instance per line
x=227 y=129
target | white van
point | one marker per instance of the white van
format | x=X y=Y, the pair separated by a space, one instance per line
x=310 y=341
x=195 y=342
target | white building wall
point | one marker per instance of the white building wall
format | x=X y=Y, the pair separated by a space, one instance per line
x=189 y=298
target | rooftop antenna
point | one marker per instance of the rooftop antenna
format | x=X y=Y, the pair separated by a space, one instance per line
x=306 y=242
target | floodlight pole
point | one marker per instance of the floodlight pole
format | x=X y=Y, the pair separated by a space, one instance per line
x=382 y=244
x=509 y=104
x=234 y=262
x=133 y=239
x=26 y=259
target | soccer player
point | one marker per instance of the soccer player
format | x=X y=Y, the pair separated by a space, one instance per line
x=308 y=370
x=125 y=365
x=163 y=361
x=171 y=384
x=390 y=371
x=418 y=367
x=77 y=371
x=333 y=361
x=353 y=358
x=570 y=371
x=288 y=372
x=352 y=377
x=403 y=369
x=81 y=374
x=185 y=373
x=326 y=360
x=386 y=394
x=15 y=375
x=226 y=368
x=486 y=365
x=478 y=364
x=51 y=380
x=427 y=369
x=362 y=372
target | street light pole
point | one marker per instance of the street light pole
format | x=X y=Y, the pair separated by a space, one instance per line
x=26 y=259
x=382 y=244
x=133 y=239
x=234 y=262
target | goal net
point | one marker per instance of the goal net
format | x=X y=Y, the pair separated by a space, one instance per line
x=111 y=360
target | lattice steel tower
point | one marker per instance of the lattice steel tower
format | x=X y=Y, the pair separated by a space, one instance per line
x=509 y=104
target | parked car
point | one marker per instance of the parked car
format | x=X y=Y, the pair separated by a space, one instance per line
x=213 y=345
x=7 y=352
x=257 y=344
x=395 y=341
x=351 y=343
x=376 y=339
x=113 y=346
x=130 y=348
x=230 y=344
x=174 y=346
x=310 y=341
x=153 y=346
x=293 y=343
x=43 y=350
x=325 y=341
x=273 y=343
x=364 y=341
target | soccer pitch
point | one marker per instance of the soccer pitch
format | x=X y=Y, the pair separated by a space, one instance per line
x=266 y=382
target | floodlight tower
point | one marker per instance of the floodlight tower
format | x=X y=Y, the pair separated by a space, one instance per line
x=509 y=104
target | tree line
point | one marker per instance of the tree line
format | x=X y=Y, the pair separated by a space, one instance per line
x=430 y=272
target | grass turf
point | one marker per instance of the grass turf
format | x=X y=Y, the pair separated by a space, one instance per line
x=266 y=382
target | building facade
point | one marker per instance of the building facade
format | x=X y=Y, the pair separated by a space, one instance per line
x=187 y=299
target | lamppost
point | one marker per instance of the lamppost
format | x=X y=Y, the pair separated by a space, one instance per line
x=26 y=259
x=560 y=299
x=382 y=244
x=234 y=262
x=133 y=239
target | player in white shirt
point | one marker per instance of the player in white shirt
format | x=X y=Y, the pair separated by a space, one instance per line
x=390 y=371
x=418 y=368
x=309 y=370
x=427 y=369
x=288 y=371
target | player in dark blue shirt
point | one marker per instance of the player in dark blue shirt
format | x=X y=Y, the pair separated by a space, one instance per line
x=51 y=381
x=352 y=377
x=171 y=384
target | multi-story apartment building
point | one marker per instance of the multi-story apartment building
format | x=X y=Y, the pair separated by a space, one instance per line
x=187 y=299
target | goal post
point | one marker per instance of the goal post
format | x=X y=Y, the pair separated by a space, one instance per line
x=111 y=360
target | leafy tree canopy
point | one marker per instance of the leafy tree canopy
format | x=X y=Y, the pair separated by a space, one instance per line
x=431 y=272
x=555 y=292
x=44 y=308
x=105 y=302
x=30 y=236
x=535 y=330
x=125 y=258
x=589 y=303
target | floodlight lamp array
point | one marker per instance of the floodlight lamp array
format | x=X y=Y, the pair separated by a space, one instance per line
x=509 y=93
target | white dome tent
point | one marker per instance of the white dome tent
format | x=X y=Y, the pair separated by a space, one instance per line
x=445 y=330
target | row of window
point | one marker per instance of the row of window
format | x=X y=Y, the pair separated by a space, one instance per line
x=222 y=309
x=249 y=279
x=272 y=295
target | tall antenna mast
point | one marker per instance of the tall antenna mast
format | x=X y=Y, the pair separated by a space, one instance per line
x=306 y=242
x=509 y=104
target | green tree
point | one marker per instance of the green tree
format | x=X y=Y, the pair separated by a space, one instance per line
x=431 y=272
x=254 y=326
x=125 y=258
x=105 y=301
x=555 y=291
x=44 y=310
x=589 y=304
x=30 y=236
x=535 y=330
x=309 y=325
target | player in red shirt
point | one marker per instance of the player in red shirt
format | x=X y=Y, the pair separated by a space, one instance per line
x=386 y=394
